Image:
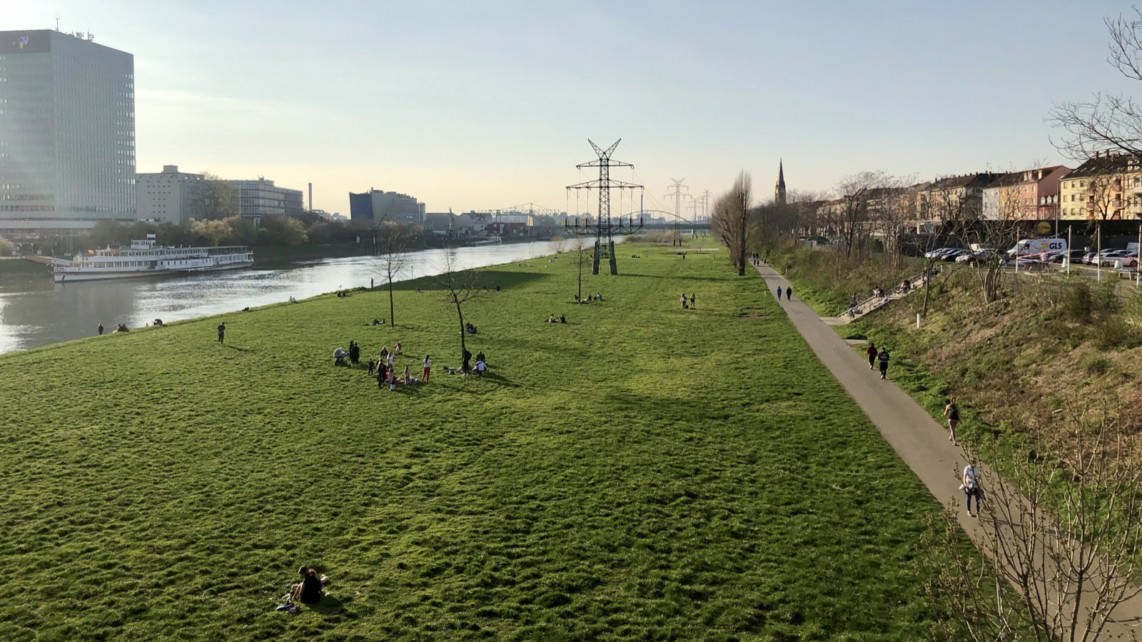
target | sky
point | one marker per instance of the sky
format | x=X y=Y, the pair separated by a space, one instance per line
x=490 y=105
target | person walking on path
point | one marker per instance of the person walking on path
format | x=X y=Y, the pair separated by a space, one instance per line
x=952 y=412
x=789 y=293
x=883 y=358
x=779 y=293
x=426 y=369
x=871 y=352
x=970 y=486
x=221 y=333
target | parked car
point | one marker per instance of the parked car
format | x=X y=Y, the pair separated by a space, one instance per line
x=1076 y=256
x=975 y=256
x=938 y=253
x=956 y=252
x=1116 y=256
x=1092 y=258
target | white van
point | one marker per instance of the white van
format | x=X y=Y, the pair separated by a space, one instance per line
x=1025 y=247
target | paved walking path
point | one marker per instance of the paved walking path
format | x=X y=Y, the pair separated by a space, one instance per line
x=917 y=438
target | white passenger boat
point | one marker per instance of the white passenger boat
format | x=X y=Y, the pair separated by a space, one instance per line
x=146 y=257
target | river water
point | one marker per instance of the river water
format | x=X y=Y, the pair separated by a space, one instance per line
x=34 y=311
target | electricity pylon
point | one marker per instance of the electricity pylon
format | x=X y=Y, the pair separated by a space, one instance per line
x=677 y=193
x=603 y=224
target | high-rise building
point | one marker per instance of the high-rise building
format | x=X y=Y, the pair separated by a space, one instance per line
x=67 y=132
x=170 y=196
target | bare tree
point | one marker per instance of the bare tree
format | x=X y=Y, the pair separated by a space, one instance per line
x=581 y=258
x=392 y=241
x=730 y=221
x=1106 y=122
x=1100 y=196
x=461 y=287
x=854 y=228
x=1068 y=538
x=996 y=234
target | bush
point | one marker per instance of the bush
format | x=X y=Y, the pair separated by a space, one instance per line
x=1115 y=332
x=1095 y=364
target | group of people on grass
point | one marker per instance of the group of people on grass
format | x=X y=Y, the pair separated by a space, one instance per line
x=308 y=590
x=384 y=365
x=688 y=303
x=551 y=318
x=466 y=364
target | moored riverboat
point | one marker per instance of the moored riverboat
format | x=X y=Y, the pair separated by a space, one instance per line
x=146 y=257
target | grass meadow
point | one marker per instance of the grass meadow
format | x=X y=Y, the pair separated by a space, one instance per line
x=641 y=472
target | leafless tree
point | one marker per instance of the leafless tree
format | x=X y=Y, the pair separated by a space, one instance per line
x=996 y=234
x=854 y=228
x=392 y=243
x=891 y=208
x=460 y=287
x=1100 y=196
x=580 y=247
x=1106 y=122
x=730 y=221
x=1066 y=533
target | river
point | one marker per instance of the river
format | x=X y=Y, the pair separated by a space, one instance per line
x=34 y=311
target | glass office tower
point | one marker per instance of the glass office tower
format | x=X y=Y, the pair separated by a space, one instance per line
x=67 y=132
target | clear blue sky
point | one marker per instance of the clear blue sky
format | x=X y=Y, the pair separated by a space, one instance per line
x=489 y=104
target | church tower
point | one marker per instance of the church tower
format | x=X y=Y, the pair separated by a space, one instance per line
x=779 y=191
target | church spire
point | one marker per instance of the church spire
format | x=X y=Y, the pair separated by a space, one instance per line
x=779 y=191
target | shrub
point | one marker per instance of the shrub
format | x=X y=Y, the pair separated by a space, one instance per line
x=1095 y=364
x=1115 y=332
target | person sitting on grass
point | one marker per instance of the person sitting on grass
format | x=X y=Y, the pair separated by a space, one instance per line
x=481 y=367
x=339 y=357
x=308 y=590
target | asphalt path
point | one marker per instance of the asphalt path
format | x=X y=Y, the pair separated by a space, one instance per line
x=920 y=442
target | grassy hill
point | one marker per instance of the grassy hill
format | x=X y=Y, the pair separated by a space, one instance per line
x=642 y=471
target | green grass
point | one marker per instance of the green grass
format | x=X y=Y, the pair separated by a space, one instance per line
x=642 y=472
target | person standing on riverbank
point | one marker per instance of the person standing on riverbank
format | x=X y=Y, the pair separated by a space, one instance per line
x=221 y=333
x=100 y=329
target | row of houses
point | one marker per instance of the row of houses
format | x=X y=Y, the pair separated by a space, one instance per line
x=1106 y=187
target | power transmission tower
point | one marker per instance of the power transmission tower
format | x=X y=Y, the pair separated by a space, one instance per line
x=603 y=224
x=677 y=193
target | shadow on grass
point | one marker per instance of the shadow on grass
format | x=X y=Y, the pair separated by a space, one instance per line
x=233 y=347
x=487 y=279
x=332 y=606
x=673 y=277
